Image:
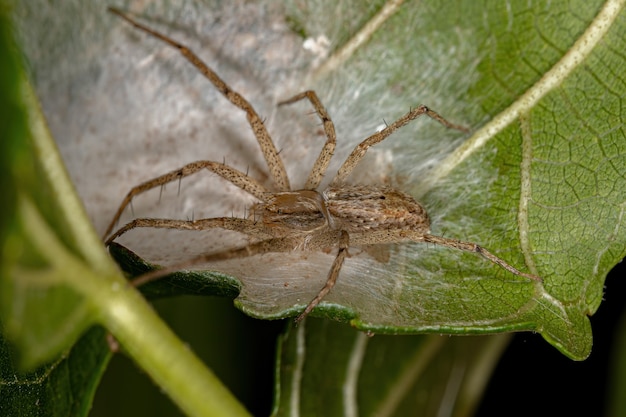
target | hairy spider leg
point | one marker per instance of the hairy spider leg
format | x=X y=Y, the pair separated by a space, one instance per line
x=333 y=274
x=245 y=226
x=473 y=247
x=325 y=239
x=236 y=177
x=283 y=244
x=321 y=164
x=359 y=151
x=407 y=235
x=273 y=160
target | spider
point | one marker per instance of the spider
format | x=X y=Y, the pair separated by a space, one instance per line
x=284 y=220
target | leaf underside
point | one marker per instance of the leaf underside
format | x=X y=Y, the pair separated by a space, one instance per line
x=545 y=193
x=569 y=148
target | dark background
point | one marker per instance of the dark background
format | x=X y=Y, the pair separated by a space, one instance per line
x=533 y=378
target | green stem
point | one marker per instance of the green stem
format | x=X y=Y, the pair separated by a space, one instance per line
x=163 y=355
x=117 y=306
x=128 y=316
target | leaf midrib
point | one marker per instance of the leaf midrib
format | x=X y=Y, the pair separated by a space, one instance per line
x=552 y=79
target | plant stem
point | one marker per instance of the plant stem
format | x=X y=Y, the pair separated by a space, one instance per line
x=115 y=304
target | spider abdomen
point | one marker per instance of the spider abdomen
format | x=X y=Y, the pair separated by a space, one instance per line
x=360 y=208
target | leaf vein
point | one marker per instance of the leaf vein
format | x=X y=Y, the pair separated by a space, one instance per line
x=551 y=80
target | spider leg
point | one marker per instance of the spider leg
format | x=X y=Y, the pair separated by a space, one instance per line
x=333 y=274
x=280 y=244
x=473 y=247
x=246 y=226
x=274 y=162
x=236 y=177
x=359 y=152
x=402 y=235
x=321 y=164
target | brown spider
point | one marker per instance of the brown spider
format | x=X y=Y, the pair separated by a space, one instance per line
x=285 y=220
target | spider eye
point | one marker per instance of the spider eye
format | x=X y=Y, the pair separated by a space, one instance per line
x=382 y=197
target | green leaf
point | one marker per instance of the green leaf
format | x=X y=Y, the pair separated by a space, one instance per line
x=195 y=283
x=538 y=183
x=41 y=320
x=33 y=174
x=63 y=387
x=324 y=369
x=124 y=108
